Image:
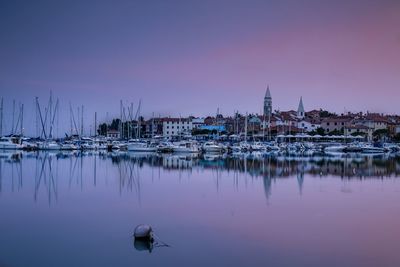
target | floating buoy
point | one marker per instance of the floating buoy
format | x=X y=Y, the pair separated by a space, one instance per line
x=143 y=232
x=143 y=245
x=145 y=239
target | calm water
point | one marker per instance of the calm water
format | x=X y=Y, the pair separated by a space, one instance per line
x=247 y=210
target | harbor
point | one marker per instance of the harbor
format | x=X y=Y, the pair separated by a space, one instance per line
x=210 y=133
x=89 y=201
x=315 y=131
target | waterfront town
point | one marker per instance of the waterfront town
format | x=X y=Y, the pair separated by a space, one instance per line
x=267 y=126
x=295 y=130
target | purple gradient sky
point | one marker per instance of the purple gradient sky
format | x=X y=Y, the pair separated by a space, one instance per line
x=190 y=57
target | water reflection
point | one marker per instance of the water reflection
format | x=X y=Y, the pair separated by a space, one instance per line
x=83 y=169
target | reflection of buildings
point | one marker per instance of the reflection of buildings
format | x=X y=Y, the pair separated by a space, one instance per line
x=128 y=169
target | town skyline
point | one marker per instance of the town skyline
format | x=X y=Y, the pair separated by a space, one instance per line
x=78 y=121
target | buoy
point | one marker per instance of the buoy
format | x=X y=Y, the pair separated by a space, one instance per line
x=145 y=239
x=143 y=245
x=143 y=232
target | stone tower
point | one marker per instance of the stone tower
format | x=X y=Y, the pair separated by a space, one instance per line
x=268 y=103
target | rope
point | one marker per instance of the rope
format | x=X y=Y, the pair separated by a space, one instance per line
x=158 y=242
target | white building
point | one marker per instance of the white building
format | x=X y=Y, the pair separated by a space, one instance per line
x=308 y=125
x=113 y=134
x=177 y=126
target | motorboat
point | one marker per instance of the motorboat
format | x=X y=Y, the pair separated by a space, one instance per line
x=165 y=147
x=257 y=146
x=49 y=145
x=372 y=149
x=185 y=147
x=68 y=146
x=212 y=147
x=335 y=148
x=141 y=146
x=10 y=143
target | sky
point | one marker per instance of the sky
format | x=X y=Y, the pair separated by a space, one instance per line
x=192 y=57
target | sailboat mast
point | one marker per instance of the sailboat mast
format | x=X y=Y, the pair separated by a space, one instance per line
x=13 y=117
x=41 y=119
x=140 y=105
x=51 y=115
x=245 y=128
x=22 y=119
x=152 y=125
x=120 y=119
x=82 y=121
x=95 y=124
x=1 y=117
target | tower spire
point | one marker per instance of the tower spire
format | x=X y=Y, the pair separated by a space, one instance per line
x=267 y=92
x=300 y=109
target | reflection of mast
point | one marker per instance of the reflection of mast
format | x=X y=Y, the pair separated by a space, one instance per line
x=48 y=178
x=129 y=176
x=300 y=177
x=95 y=170
x=1 y=117
x=1 y=175
x=267 y=178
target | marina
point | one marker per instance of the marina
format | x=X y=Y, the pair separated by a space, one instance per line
x=226 y=206
x=210 y=133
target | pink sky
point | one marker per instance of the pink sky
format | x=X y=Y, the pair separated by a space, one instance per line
x=192 y=58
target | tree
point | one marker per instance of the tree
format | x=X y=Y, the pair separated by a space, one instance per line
x=102 y=130
x=325 y=114
x=358 y=133
x=380 y=133
x=397 y=137
x=337 y=132
x=115 y=124
x=320 y=131
x=200 y=132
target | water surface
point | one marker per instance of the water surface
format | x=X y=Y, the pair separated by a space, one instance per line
x=61 y=209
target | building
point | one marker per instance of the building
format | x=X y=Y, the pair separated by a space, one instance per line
x=308 y=125
x=359 y=130
x=335 y=123
x=113 y=134
x=197 y=122
x=374 y=121
x=177 y=126
x=267 y=104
